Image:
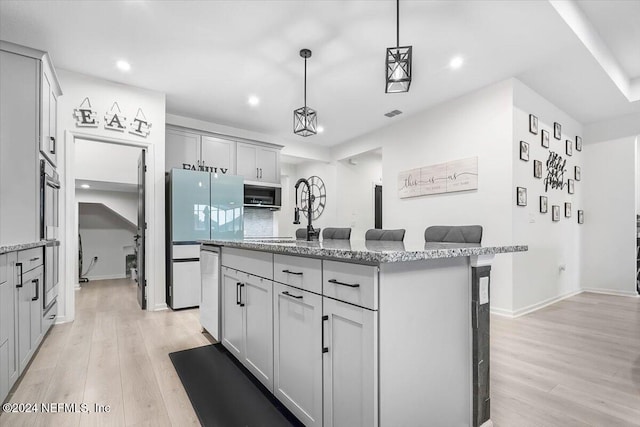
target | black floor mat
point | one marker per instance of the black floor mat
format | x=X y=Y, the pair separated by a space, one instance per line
x=224 y=394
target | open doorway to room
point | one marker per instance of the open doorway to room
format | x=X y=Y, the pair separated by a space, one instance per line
x=110 y=219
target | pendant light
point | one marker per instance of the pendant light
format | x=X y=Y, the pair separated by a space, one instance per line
x=398 y=63
x=305 y=119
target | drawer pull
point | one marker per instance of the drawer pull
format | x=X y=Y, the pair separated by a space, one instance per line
x=335 y=282
x=237 y=293
x=37 y=283
x=53 y=316
x=34 y=259
x=292 y=296
x=241 y=286
x=297 y=273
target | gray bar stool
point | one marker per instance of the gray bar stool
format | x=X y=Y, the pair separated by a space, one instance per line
x=301 y=233
x=330 y=233
x=388 y=235
x=453 y=234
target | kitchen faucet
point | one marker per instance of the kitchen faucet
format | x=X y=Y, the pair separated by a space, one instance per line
x=311 y=232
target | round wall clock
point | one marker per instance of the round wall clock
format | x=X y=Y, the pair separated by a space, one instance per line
x=318 y=197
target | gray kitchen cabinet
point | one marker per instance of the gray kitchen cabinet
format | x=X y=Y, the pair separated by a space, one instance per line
x=29 y=293
x=48 y=116
x=350 y=365
x=232 y=313
x=297 y=354
x=8 y=367
x=258 y=163
x=193 y=149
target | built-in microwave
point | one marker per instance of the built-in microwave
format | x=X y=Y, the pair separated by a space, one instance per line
x=262 y=196
x=49 y=201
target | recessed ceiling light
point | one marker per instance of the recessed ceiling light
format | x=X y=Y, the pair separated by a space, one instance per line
x=123 y=65
x=85 y=186
x=456 y=62
x=254 y=101
x=320 y=129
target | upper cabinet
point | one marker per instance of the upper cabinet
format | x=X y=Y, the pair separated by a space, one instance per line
x=259 y=163
x=196 y=150
x=48 y=113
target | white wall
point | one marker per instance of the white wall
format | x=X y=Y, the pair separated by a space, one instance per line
x=537 y=277
x=107 y=236
x=327 y=172
x=97 y=161
x=477 y=124
x=609 y=242
x=123 y=203
x=102 y=94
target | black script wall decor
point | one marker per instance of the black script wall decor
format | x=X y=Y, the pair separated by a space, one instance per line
x=556 y=167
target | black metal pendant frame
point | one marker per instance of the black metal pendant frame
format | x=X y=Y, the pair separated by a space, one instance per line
x=305 y=119
x=398 y=63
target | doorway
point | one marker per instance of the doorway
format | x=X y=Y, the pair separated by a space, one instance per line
x=106 y=181
x=377 y=201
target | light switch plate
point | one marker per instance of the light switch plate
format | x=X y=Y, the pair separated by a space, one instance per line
x=484 y=290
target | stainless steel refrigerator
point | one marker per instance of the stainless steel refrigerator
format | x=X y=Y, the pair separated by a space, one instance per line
x=199 y=206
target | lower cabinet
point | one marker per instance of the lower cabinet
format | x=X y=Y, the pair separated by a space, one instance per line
x=247 y=328
x=350 y=365
x=297 y=352
x=8 y=366
x=29 y=307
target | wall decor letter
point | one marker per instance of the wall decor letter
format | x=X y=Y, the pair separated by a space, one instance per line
x=85 y=116
x=114 y=119
x=140 y=126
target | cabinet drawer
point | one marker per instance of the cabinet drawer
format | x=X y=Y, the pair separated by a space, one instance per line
x=303 y=273
x=30 y=259
x=352 y=283
x=49 y=318
x=254 y=262
x=3 y=268
x=186 y=251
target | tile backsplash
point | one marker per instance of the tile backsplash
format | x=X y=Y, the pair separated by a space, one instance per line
x=258 y=222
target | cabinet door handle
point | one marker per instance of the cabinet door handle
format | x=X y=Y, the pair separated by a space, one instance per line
x=297 y=273
x=257 y=173
x=53 y=316
x=237 y=293
x=241 y=286
x=19 y=285
x=260 y=172
x=354 y=285
x=52 y=147
x=292 y=296
x=36 y=282
x=34 y=259
x=324 y=349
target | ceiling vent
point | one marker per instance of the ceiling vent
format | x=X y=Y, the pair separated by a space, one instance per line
x=393 y=113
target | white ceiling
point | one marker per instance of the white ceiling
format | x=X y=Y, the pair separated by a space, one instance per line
x=106 y=186
x=208 y=57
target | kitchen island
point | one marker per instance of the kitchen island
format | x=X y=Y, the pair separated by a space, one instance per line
x=354 y=333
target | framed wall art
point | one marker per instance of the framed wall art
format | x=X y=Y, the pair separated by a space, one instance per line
x=537 y=169
x=545 y=138
x=570 y=186
x=533 y=124
x=567 y=210
x=580 y=216
x=557 y=130
x=577 y=173
x=578 y=143
x=544 y=204
x=569 y=145
x=524 y=151
x=521 y=196
x=555 y=213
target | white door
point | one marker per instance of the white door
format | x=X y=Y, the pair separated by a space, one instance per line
x=297 y=352
x=350 y=373
x=232 y=313
x=246 y=162
x=218 y=153
x=209 y=263
x=268 y=165
x=256 y=296
x=181 y=148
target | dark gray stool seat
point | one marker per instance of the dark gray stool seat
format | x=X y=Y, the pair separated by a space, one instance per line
x=454 y=234
x=389 y=235
x=333 y=233
x=301 y=233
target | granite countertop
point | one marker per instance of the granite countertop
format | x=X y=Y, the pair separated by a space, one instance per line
x=23 y=246
x=368 y=251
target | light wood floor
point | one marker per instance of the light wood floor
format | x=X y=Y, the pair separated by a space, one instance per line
x=112 y=354
x=575 y=363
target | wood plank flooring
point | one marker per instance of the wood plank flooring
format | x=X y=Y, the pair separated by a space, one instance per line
x=575 y=363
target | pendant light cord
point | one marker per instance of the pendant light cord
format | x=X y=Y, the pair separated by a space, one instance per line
x=397 y=23
x=305 y=84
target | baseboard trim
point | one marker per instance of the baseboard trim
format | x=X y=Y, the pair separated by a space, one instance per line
x=160 y=307
x=612 y=292
x=107 y=277
x=533 y=307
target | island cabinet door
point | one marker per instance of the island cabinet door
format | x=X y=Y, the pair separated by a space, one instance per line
x=350 y=365
x=297 y=352
x=232 y=312
x=256 y=297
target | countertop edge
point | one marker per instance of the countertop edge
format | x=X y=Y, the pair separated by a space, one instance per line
x=23 y=246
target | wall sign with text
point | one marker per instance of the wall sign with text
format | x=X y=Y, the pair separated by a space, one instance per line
x=457 y=175
x=114 y=119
